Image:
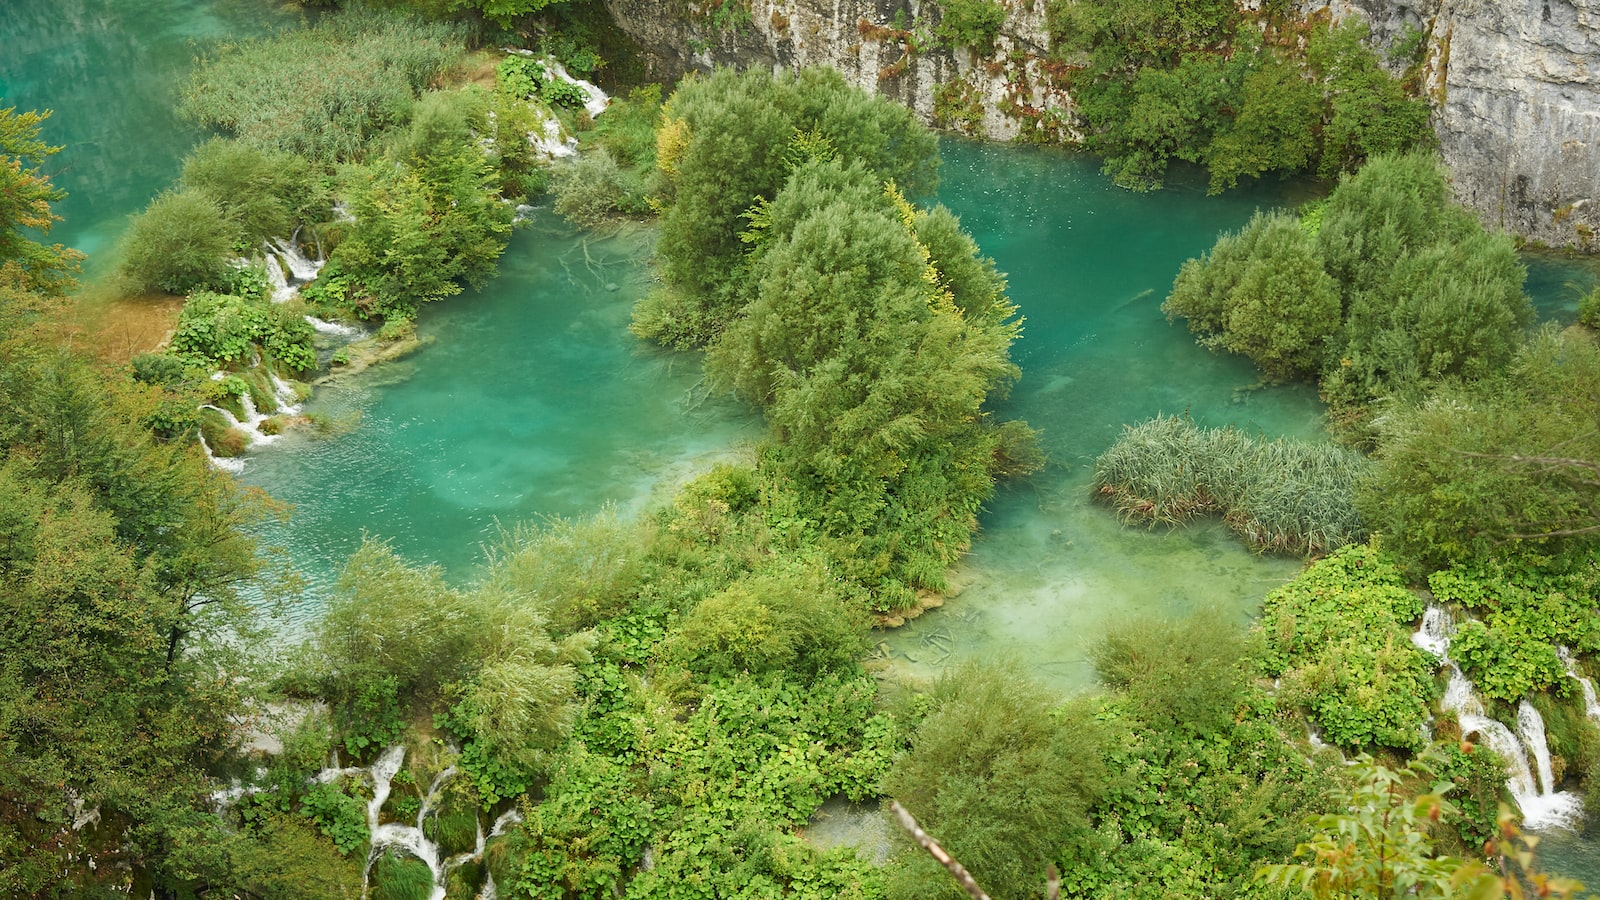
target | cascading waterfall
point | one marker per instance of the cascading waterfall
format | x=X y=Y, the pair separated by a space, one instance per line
x=410 y=837
x=301 y=268
x=1541 y=804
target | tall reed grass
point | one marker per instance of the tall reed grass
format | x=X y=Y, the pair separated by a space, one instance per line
x=1282 y=495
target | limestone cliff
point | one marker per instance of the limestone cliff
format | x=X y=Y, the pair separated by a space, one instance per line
x=1515 y=83
x=883 y=46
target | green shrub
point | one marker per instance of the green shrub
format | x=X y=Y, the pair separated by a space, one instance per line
x=778 y=621
x=1001 y=778
x=1501 y=469
x=582 y=571
x=971 y=23
x=1526 y=610
x=1283 y=495
x=592 y=190
x=178 y=244
x=1589 y=309
x=262 y=193
x=338 y=815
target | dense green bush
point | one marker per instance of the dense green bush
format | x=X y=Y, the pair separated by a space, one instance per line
x=324 y=91
x=1526 y=610
x=222 y=329
x=1206 y=789
x=397 y=642
x=873 y=358
x=1396 y=289
x=1183 y=80
x=1335 y=638
x=1261 y=293
x=427 y=218
x=179 y=243
x=1294 y=496
x=264 y=194
x=726 y=143
x=775 y=621
x=581 y=571
x=592 y=190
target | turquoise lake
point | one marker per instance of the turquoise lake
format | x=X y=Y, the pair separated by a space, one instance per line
x=533 y=399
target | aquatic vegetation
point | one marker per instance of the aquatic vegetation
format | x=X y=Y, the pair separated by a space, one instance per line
x=1279 y=495
x=326 y=91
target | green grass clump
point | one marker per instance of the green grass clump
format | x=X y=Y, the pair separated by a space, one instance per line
x=400 y=878
x=1281 y=495
x=322 y=92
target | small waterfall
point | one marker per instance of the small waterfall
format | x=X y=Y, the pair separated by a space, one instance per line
x=1590 y=704
x=283 y=393
x=411 y=838
x=334 y=329
x=550 y=143
x=597 y=102
x=225 y=463
x=301 y=269
x=281 y=289
x=1541 y=805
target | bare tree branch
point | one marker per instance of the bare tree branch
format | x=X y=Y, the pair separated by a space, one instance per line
x=1052 y=883
x=956 y=870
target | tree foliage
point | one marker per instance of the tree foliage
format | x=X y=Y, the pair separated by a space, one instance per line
x=1261 y=293
x=1504 y=468
x=1190 y=80
x=736 y=143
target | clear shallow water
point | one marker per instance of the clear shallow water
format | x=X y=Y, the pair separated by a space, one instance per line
x=1089 y=264
x=533 y=400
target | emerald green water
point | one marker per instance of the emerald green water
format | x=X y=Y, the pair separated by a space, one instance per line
x=1090 y=264
x=533 y=400
x=111 y=69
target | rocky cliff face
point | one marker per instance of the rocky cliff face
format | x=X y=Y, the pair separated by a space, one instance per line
x=886 y=47
x=1515 y=83
x=1518 y=113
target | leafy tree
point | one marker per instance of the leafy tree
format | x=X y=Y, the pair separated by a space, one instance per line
x=1371 y=113
x=1503 y=468
x=25 y=198
x=735 y=133
x=1383 y=846
x=426 y=219
x=971 y=23
x=264 y=194
x=121 y=558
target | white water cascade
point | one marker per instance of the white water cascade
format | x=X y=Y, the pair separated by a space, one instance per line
x=1590 y=704
x=550 y=141
x=410 y=837
x=1541 y=804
